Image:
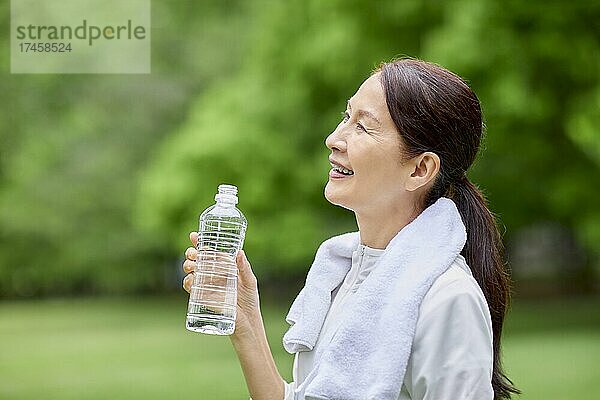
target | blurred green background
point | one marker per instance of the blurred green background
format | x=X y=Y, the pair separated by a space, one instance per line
x=103 y=176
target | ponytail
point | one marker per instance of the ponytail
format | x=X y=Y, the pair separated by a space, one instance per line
x=435 y=110
x=484 y=254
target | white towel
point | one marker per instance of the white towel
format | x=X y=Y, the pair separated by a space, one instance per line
x=367 y=357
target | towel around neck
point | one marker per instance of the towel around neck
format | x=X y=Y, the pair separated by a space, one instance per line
x=367 y=357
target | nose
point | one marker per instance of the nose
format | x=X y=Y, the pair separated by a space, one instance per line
x=336 y=140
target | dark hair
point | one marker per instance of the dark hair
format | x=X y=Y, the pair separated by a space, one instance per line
x=435 y=110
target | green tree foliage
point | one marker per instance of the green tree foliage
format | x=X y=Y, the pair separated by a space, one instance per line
x=73 y=146
x=101 y=177
x=534 y=66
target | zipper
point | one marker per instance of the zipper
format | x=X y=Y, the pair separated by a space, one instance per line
x=342 y=298
x=361 y=255
x=360 y=262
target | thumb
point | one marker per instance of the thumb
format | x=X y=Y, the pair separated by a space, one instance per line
x=244 y=267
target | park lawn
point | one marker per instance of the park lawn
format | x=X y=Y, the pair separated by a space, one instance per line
x=139 y=349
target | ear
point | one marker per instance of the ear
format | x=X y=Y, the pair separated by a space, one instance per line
x=424 y=167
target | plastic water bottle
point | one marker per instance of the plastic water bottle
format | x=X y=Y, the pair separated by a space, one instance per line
x=213 y=296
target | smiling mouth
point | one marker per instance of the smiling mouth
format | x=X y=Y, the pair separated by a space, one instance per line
x=341 y=170
x=336 y=173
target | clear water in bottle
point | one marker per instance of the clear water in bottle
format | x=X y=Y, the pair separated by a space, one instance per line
x=213 y=296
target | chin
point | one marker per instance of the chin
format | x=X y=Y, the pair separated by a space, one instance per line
x=335 y=200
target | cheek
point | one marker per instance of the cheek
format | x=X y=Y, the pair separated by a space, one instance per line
x=384 y=177
x=378 y=166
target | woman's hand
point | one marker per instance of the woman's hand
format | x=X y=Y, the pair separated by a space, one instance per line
x=249 y=339
x=248 y=305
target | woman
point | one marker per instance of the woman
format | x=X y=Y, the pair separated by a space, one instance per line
x=393 y=311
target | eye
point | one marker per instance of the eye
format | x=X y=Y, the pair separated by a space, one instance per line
x=345 y=116
x=361 y=127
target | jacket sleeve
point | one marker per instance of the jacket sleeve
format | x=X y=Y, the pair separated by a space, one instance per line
x=290 y=387
x=289 y=390
x=452 y=355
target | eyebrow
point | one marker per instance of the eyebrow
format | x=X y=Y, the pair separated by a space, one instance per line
x=365 y=113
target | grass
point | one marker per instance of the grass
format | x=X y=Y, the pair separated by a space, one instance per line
x=552 y=348
x=139 y=349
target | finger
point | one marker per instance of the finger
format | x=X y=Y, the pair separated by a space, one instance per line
x=191 y=253
x=189 y=266
x=187 y=282
x=210 y=255
x=244 y=267
x=194 y=238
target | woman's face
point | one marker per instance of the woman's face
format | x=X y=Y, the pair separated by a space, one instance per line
x=367 y=143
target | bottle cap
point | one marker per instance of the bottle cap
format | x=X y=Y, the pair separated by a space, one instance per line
x=227 y=193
